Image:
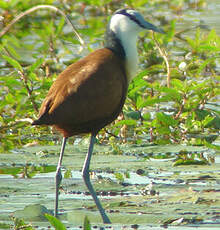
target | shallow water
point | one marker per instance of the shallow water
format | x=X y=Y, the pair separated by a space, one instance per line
x=209 y=17
x=187 y=196
x=151 y=193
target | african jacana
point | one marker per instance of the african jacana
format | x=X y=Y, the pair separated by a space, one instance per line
x=90 y=93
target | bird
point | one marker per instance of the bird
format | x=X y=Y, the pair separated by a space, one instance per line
x=90 y=93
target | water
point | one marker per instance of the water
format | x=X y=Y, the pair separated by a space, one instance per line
x=191 y=198
x=179 y=192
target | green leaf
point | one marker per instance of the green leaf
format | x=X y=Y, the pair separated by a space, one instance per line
x=4 y=5
x=207 y=120
x=60 y=26
x=140 y=101
x=126 y=122
x=68 y=174
x=32 y=76
x=86 y=224
x=135 y=115
x=119 y=176
x=204 y=64
x=57 y=224
x=12 y=51
x=149 y=102
x=189 y=162
x=9 y=98
x=20 y=224
x=35 y=65
x=49 y=27
x=211 y=146
x=177 y=84
x=166 y=119
x=172 y=93
x=146 y=116
x=13 y=62
x=191 y=42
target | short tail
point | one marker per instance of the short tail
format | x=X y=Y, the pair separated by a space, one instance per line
x=43 y=120
x=36 y=122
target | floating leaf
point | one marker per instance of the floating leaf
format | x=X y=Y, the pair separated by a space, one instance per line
x=68 y=174
x=119 y=177
x=189 y=162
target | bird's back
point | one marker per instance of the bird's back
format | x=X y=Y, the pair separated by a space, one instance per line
x=87 y=95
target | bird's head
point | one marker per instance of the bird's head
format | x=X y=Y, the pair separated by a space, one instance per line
x=129 y=20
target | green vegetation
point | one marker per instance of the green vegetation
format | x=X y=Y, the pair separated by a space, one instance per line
x=173 y=99
x=56 y=223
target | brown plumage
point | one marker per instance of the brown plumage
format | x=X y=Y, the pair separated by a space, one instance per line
x=90 y=93
x=83 y=99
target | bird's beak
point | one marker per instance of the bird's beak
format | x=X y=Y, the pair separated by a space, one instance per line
x=152 y=27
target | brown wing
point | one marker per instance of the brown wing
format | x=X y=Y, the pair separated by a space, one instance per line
x=87 y=95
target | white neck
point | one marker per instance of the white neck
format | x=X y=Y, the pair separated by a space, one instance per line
x=127 y=32
x=129 y=44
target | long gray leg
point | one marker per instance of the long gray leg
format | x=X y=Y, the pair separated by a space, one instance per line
x=58 y=177
x=86 y=178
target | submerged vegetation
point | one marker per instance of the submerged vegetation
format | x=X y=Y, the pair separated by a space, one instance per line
x=173 y=99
